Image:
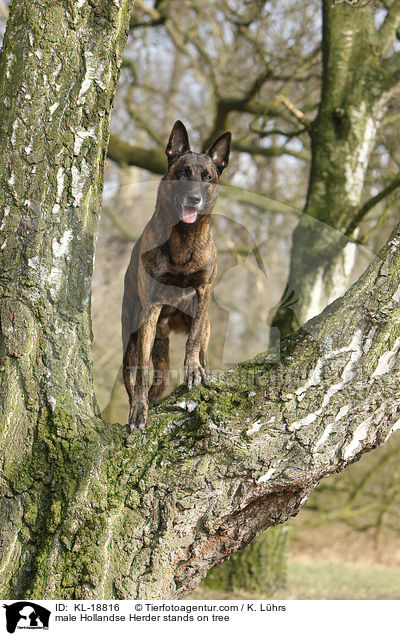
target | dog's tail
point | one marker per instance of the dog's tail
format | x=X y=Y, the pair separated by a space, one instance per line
x=160 y=358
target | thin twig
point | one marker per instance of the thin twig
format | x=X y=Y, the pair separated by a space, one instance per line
x=368 y=205
x=296 y=112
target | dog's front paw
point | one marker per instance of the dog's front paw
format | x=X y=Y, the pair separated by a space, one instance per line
x=194 y=373
x=138 y=416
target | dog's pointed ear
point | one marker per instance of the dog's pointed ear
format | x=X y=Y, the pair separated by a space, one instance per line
x=178 y=142
x=219 y=151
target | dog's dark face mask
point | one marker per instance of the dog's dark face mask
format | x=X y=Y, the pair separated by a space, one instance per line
x=192 y=186
x=191 y=182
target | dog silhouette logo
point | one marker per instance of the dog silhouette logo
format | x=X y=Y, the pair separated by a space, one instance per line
x=26 y=615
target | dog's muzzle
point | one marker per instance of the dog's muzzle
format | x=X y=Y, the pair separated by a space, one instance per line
x=190 y=206
x=189 y=214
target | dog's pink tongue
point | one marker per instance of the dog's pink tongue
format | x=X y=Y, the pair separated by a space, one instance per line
x=189 y=215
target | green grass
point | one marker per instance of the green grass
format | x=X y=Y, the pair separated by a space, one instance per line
x=327 y=581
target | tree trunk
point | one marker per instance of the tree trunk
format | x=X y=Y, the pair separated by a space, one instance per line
x=59 y=70
x=357 y=80
x=87 y=510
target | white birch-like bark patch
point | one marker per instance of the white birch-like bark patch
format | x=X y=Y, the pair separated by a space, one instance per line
x=314 y=307
x=387 y=360
x=268 y=475
x=60 y=183
x=257 y=424
x=324 y=436
x=343 y=411
x=55 y=280
x=359 y=435
x=60 y=248
x=356 y=163
x=52 y=108
x=80 y=135
x=10 y=61
x=79 y=179
x=94 y=72
x=347 y=375
x=305 y=421
x=313 y=380
x=14 y=131
x=28 y=148
x=5 y=215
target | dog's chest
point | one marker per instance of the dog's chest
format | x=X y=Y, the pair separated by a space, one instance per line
x=185 y=270
x=181 y=276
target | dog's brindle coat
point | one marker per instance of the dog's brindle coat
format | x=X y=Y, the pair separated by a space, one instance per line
x=169 y=277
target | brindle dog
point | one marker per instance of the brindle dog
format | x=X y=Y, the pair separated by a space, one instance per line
x=169 y=277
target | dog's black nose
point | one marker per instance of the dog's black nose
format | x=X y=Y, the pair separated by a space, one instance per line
x=194 y=199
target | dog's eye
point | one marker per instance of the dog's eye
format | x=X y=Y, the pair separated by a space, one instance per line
x=208 y=177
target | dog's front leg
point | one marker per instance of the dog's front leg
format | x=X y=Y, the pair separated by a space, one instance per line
x=140 y=404
x=194 y=372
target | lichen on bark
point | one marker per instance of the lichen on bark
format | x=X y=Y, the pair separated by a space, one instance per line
x=54 y=114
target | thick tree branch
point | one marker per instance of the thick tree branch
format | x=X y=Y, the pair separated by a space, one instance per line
x=270 y=151
x=125 y=153
x=277 y=131
x=154 y=160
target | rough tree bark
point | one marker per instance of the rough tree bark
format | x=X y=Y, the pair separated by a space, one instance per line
x=59 y=69
x=88 y=511
x=360 y=72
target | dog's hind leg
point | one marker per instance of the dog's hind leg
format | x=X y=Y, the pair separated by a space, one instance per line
x=146 y=337
x=160 y=358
